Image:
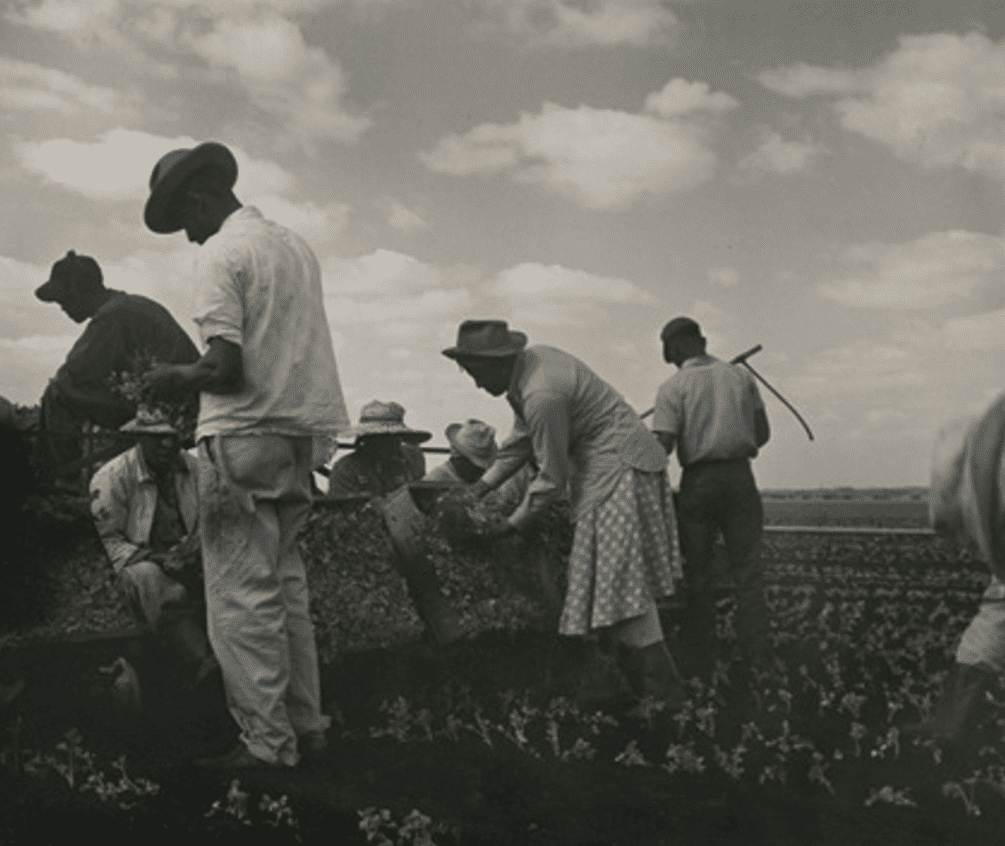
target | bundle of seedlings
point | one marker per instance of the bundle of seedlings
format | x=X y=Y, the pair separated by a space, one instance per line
x=133 y=388
x=360 y=601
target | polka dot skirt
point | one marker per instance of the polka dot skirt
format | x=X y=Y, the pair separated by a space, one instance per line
x=625 y=553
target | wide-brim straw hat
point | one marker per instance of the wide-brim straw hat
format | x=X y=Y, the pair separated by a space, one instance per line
x=486 y=339
x=149 y=422
x=475 y=440
x=171 y=171
x=385 y=418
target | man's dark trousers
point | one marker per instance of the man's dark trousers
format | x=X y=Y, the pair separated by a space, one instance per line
x=721 y=496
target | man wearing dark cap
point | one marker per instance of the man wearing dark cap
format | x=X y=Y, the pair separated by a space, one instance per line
x=122 y=326
x=269 y=402
x=712 y=413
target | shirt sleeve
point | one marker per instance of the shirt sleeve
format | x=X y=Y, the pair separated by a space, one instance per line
x=345 y=479
x=219 y=299
x=549 y=420
x=754 y=392
x=667 y=409
x=81 y=380
x=513 y=454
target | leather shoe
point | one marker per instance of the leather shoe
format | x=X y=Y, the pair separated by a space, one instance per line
x=312 y=746
x=238 y=758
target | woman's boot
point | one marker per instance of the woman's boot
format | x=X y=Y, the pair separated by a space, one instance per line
x=654 y=675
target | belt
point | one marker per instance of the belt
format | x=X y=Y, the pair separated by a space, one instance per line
x=716 y=462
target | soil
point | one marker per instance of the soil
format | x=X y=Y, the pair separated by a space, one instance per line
x=483 y=741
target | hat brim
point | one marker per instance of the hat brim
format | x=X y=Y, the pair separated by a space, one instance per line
x=478 y=461
x=49 y=292
x=515 y=344
x=415 y=436
x=158 y=214
x=134 y=428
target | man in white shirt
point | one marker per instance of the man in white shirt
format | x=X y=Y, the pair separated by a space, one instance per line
x=712 y=413
x=269 y=397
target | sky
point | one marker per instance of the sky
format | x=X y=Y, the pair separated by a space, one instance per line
x=822 y=178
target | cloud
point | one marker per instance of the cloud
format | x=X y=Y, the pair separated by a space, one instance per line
x=118 y=165
x=317 y=224
x=532 y=281
x=935 y=101
x=804 y=80
x=403 y=218
x=30 y=87
x=602 y=158
x=386 y=272
x=572 y=24
x=980 y=332
x=297 y=85
x=776 y=155
x=935 y=270
x=724 y=277
x=252 y=47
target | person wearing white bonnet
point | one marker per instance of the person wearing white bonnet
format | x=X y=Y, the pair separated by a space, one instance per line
x=473 y=448
x=967 y=504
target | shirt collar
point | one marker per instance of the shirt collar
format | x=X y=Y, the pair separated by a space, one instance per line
x=698 y=361
x=237 y=216
x=107 y=304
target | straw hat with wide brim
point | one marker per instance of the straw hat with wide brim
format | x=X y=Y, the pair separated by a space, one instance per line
x=171 y=171
x=385 y=418
x=149 y=422
x=475 y=440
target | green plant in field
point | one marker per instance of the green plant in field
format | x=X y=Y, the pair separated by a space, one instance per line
x=414 y=829
x=900 y=796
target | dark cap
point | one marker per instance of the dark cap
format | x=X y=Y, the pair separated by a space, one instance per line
x=680 y=326
x=69 y=273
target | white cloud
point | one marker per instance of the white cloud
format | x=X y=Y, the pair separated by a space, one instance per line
x=317 y=224
x=118 y=165
x=680 y=97
x=776 y=155
x=570 y=24
x=601 y=157
x=402 y=217
x=252 y=47
x=554 y=282
x=724 y=277
x=386 y=272
x=981 y=332
x=30 y=87
x=804 y=80
x=936 y=100
x=934 y=270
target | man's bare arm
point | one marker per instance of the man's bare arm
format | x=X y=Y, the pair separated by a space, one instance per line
x=219 y=371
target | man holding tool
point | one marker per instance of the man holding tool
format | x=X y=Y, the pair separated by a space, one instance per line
x=712 y=412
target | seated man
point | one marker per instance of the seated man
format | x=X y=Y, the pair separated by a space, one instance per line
x=385 y=460
x=145 y=504
x=122 y=327
x=385 y=456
